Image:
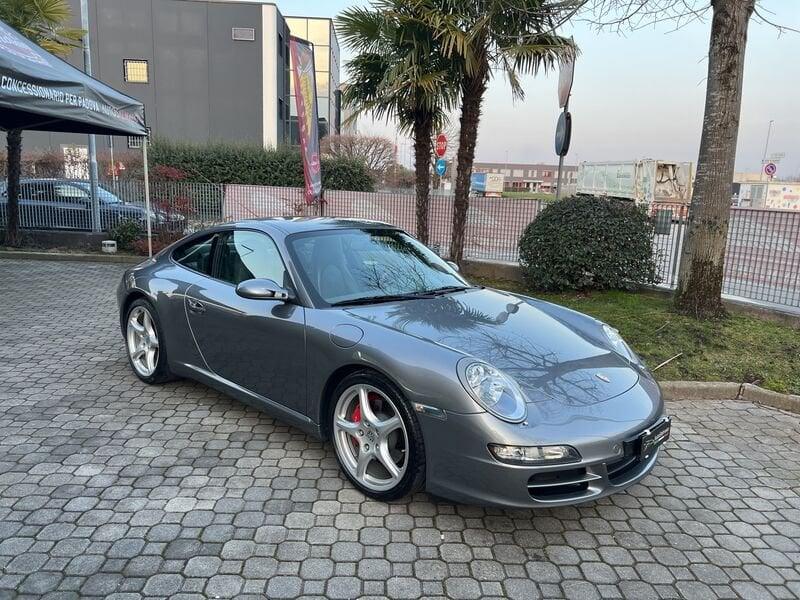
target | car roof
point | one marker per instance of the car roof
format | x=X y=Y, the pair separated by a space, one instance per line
x=290 y=225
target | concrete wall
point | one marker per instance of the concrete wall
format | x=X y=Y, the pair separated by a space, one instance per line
x=204 y=86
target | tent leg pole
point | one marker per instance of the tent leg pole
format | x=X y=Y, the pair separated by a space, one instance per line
x=147 y=198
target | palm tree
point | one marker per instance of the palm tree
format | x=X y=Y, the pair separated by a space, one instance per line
x=516 y=37
x=44 y=23
x=399 y=72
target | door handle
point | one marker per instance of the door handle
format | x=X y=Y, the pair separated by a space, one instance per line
x=196 y=306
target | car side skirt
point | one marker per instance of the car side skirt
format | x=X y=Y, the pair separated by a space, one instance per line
x=241 y=394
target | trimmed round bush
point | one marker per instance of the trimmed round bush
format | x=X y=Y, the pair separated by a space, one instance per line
x=588 y=243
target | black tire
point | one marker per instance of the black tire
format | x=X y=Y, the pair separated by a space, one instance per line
x=414 y=478
x=162 y=374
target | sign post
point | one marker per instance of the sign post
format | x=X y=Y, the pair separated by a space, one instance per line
x=564 y=125
x=307 y=120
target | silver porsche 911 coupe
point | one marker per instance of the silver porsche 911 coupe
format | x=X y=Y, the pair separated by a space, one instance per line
x=356 y=332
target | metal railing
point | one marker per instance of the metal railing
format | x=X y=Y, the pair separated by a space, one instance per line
x=762 y=261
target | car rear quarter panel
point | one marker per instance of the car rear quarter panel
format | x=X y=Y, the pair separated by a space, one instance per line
x=165 y=284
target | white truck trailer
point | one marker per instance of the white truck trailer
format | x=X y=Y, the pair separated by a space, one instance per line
x=646 y=181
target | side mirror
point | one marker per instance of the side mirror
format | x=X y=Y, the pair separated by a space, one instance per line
x=262 y=289
x=454 y=266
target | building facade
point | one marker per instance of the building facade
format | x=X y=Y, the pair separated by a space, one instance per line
x=206 y=70
x=529 y=177
x=322 y=34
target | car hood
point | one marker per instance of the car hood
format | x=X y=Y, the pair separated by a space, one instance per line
x=552 y=352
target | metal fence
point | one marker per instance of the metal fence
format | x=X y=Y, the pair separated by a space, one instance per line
x=762 y=260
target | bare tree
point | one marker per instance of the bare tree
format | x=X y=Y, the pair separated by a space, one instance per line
x=376 y=152
x=699 y=290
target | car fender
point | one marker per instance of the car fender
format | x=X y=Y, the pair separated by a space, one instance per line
x=424 y=371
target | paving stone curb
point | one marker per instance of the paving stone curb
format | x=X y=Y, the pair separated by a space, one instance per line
x=721 y=390
x=71 y=256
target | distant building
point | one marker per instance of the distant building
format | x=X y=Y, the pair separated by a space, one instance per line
x=321 y=33
x=767 y=194
x=529 y=177
x=206 y=70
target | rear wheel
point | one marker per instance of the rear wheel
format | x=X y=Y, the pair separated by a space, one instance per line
x=145 y=343
x=377 y=439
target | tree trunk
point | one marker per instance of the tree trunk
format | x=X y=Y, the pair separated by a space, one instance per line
x=14 y=142
x=423 y=129
x=699 y=290
x=472 y=90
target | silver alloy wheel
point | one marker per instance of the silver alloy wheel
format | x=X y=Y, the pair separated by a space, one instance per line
x=142 y=341
x=370 y=437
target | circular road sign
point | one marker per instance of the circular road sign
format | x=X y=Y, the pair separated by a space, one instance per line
x=770 y=168
x=441 y=144
x=563 y=133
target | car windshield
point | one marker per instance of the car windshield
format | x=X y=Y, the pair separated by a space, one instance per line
x=360 y=266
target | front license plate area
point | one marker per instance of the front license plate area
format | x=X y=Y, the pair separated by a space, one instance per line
x=653 y=437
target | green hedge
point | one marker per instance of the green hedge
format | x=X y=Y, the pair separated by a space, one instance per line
x=583 y=243
x=253 y=165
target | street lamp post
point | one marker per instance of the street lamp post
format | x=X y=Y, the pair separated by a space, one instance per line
x=766 y=149
x=87 y=67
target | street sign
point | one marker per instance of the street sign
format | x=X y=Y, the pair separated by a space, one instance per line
x=565 y=77
x=563 y=133
x=770 y=168
x=441 y=144
x=441 y=167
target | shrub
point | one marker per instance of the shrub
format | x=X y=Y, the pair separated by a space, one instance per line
x=254 y=165
x=583 y=243
x=159 y=241
x=125 y=233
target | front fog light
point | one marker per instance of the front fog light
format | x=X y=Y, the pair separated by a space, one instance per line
x=534 y=455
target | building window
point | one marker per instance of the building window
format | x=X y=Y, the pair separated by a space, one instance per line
x=134 y=142
x=243 y=34
x=136 y=71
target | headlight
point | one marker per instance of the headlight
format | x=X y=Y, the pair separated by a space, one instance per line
x=620 y=346
x=535 y=455
x=617 y=342
x=493 y=390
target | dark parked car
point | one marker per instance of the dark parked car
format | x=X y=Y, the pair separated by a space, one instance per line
x=66 y=204
x=355 y=331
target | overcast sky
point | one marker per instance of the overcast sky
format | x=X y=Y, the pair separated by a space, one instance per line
x=638 y=95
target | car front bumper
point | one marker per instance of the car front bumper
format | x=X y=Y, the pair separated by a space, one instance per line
x=460 y=466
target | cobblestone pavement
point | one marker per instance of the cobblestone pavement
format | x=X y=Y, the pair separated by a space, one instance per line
x=111 y=488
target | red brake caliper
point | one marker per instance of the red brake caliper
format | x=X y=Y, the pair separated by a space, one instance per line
x=357 y=413
x=357 y=419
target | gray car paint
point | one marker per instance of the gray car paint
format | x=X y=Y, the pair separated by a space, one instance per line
x=287 y=357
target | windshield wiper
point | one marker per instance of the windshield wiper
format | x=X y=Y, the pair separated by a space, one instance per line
x=408 y=296
x=378 y=299
x=448 y=289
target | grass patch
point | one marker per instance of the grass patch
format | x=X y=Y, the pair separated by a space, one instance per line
x=739 y=348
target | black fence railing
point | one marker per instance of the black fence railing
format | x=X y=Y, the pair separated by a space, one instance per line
x=762 y=260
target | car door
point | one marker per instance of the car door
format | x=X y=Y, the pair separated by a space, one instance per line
x=256 y=344
x=73 y=205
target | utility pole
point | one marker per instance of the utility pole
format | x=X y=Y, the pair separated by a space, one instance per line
x=766 y=149
x=87 y=68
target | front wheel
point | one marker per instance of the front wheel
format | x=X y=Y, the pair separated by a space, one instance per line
x=145 y=343
x=377 y=438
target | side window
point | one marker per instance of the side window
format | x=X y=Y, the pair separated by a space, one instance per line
x=247 y=255
x=70 y=193
x=196 y=255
